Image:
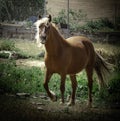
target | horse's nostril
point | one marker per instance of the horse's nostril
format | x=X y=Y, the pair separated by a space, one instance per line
x=43 y=38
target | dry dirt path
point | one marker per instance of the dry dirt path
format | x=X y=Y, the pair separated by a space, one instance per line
x=30 y=63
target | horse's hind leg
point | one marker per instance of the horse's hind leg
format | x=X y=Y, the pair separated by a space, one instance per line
x=89 y=71
x=74 y=86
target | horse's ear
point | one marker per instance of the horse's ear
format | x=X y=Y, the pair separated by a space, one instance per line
x=50 y=18
x=39 y=17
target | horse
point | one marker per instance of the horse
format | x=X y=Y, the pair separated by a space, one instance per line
x=69 y=57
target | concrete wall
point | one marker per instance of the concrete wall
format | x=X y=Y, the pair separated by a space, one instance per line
x=94 y=9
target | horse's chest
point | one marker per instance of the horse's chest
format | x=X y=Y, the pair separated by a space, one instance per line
x=53 y=64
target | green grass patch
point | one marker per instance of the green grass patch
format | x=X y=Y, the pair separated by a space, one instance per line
x=23 y=48
x=7 y=45
x=16 y=79
x=30 y=79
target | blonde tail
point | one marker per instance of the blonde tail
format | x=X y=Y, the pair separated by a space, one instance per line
x=102 y=68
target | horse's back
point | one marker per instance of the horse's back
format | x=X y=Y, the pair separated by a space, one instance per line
x=81 y=42
x=77 y=40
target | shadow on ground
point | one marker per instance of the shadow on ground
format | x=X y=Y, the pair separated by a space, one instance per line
x=13 y=108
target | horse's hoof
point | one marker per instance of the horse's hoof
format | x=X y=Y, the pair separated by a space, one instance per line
x=71 y=103
x=61 y=103
x=89 y=105
x=54 y=98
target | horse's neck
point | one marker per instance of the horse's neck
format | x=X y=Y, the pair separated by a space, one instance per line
x=55 y=43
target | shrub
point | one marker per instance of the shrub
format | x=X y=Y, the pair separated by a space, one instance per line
x=4 y=55
x=7 y=45
x=75 y=16
x=102 y=24
x=111 y=94
x=16 y=79
x=61 y=18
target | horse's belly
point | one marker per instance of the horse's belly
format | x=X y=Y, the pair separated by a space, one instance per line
x=75 y=68
x=78 y=63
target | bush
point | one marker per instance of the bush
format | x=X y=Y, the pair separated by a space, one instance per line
x=7 y=45
x=102 y=24
x=4 y=55
x=61 y=18
x=74 y=16
x=16 y=79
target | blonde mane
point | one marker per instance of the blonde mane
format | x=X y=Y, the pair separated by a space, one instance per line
x=37 y=24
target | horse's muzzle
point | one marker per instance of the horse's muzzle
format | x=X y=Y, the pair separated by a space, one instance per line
x=43 y=39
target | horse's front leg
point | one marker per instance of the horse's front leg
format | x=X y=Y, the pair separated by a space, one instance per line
x=62 y=87
x=50 y=93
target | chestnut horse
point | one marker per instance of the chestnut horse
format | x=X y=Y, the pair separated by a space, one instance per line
x=68 y=56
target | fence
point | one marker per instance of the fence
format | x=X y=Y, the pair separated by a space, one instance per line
x=16 y=31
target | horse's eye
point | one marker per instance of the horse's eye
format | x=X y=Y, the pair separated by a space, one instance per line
x=41 y=26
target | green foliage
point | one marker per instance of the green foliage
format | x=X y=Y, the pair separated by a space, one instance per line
x=75 y=17
x=4 y=55
x=61 y=18
x=7 y=45
x=111 y=94
x=16 y=79
x=102 y=24
x=114 y=88
x=30 y=80
x=14 y=10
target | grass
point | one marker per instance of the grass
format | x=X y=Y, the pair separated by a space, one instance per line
x=22 y=47
x=20 y=79
x=28 y=47
x=30 y=79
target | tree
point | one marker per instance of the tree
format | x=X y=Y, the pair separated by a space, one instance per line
x=20 y=10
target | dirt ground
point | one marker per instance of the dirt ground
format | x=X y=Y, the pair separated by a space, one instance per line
x=30 y=63
x=15 y=107
x=40 y=108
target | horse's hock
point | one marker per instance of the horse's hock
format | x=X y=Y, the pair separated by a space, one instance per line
x=16 y=31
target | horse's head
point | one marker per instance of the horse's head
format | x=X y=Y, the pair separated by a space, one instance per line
x=43 y=26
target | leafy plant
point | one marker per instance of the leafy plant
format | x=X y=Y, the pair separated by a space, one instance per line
x=4 y=55
x=111 y=94
x=75 y=16
x=9 y=11
x=102 y=24
x=16 y=79
x=7 y=45
x=61 y=18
